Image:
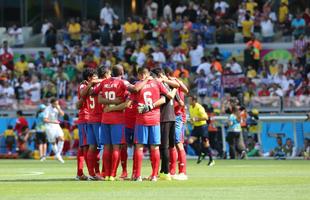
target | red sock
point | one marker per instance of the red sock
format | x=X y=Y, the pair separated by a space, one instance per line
x=173 y=160
x=134 y=165
x=124 y=157
x=138 y=161
x=91 y=159
x=97 y=160
x=115 y=161
x=107 y=155
x=80 y=162
x=85 y=153
x=156 y=160
x=102 y=169
x=182 y=161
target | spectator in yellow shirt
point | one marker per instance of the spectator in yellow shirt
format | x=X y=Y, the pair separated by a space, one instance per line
x=198 y=118
x=283 y=12
x=250 y=6
x=273 y=68
x=247 y=28
x=67 y=139
x=130 y=29
x=21 y=66
x=74 y=29
x=10 y=139
x=75 y=138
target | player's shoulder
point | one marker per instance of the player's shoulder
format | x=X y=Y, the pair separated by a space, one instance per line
x=82 y=85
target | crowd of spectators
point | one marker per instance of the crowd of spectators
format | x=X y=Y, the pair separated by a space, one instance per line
x=167 y=38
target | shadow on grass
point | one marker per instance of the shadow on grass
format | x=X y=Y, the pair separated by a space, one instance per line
x=37 y=180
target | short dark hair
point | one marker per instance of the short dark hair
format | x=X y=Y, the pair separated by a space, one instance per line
x=142 y=70
x=157 y=71
x=102 y=71
x=193 y=97
x=168 y=71
x=88 y=72
x=19 y=112
x=53 y=100
x=247 y=16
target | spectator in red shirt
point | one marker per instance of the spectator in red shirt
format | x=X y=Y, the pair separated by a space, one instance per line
x=290 y=69
x=21 y=123
x=264 y=92
x=6 y=55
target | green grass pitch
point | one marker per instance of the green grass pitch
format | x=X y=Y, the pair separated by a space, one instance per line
x=228 y=179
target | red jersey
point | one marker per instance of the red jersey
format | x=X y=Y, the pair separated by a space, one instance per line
x=83 y=112
x=149 y=94
x=131 y=112
x=180 y=110
x=94 y=107
x=21 y=123
x=177 y=107
x=111 y=89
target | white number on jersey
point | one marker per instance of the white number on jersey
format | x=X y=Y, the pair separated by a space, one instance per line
x=110 y=95
x=92 y=104
x=147 y=98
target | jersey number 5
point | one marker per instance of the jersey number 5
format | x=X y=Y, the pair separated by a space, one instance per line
x=92 y=104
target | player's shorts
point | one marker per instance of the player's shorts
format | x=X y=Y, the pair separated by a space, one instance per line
x=93 y=133
x=179 y=129
x=147 y=134
x=167 y=134
x=112 y=134
x=41 y=137
x=53 y=131
x=82 y=134
x=200 y=131
x=129 y=134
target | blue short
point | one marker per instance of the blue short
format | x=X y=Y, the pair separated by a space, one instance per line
x=82 y=134
x=129 y=134
x=147 y=134
x=93 y=132
x=179 y=129
x=112 y=134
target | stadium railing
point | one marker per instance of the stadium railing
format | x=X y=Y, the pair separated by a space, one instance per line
x=293 y=104
x=293 y=118
x=266 y=104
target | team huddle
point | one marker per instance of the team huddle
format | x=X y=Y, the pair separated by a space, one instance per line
x=116 y=114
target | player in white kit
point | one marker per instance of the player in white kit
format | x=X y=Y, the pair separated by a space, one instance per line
x=53 y=129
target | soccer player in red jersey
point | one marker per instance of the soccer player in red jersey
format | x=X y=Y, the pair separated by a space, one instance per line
x=130 y=111
x=114 y=91
x=130 y=118
x=94 y=124
x=179 y=151
x=167 y=124
x=83 y=89
x=147 y=128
